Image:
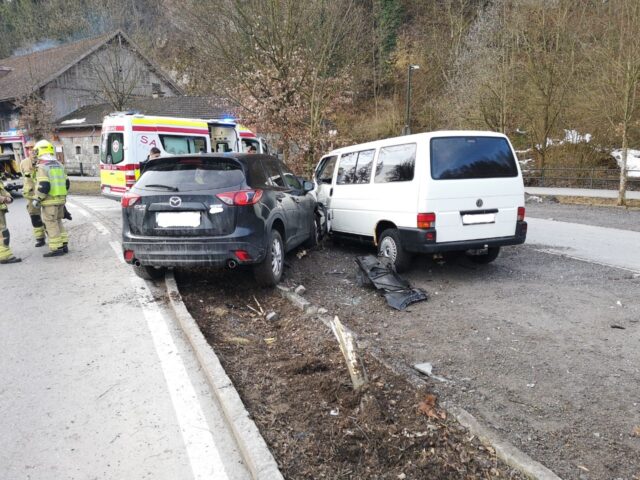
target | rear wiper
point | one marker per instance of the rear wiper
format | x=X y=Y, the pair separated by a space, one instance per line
x=168 y=187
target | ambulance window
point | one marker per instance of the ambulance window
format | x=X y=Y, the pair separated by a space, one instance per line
x=114 y=150
x=177 y=145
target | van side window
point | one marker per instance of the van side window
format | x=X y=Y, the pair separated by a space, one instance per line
x=114 y=149
x=325 y=172
x=355 y=167
x=347 y=168
x=396 y=163
x=363 y=166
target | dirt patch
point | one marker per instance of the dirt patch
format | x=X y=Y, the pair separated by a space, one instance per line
x=292 y=378
x=527 y=341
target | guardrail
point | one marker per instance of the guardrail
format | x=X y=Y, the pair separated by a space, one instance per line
x=606 y=178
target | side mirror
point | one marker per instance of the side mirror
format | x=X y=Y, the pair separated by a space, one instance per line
x=307 y=186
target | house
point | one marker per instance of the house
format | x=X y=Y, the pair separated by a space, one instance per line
x=79 y=132
x=105 y=69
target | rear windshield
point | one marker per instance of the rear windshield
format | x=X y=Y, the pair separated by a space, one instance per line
x=471 y=157
x=191 y=174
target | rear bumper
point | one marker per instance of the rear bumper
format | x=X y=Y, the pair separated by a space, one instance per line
x=415 y=240
x=181 y=252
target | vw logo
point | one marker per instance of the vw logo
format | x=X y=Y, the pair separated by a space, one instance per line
x=479 y=203
x=175 y=201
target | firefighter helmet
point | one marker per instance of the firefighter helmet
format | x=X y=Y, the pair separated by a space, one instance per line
x=43 y=147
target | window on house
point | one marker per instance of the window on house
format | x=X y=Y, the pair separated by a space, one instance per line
x=78 y=150
x=96 y=150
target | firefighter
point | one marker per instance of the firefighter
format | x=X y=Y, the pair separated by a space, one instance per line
x=5 y=252
x=51 y=193
x=27 y=167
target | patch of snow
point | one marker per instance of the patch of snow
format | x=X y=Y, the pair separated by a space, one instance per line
x=573 y=136
x=633 y=161
x=74 y=121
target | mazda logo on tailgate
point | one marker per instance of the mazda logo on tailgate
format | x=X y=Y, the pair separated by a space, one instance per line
x=175 y=201
x=479 y=203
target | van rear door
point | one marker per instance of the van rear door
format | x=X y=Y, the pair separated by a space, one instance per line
x=475 y=187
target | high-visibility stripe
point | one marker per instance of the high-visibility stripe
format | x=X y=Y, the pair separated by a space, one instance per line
x=125 y=167
x=158 y=121
x=163 y=129
x=247 y=135
x=113 y=128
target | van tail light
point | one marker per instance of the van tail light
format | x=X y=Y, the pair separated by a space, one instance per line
x=128 y=255
x=426 y=220
x=241 y=198
x=521 y=214
x=129 y=199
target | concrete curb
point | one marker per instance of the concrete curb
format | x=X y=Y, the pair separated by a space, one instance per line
x=253 y=448
x=506 y=452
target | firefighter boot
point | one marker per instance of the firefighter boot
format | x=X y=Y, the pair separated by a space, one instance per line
x=40 y=242
x=54 y=253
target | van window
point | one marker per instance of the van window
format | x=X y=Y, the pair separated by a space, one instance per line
x=363 y=166
x=471 y=157
x=325 y=171
x=396 y=163
x=355 y=167
x=112 y=148
x=178 y=144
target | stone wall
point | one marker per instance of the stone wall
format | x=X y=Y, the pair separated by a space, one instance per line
x=81 y=147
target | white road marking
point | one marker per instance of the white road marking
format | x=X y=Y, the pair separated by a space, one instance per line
x=117 y=248
x=582 y=259
x=101 y=228
x=80 y=210
x=199 y=442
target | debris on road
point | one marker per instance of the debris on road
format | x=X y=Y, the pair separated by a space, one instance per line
x=322 y=311
x=397 y=291
x=427 y=369
x=300 y=290
x=348 y=347
x=271 y=316
x=619 y=327
x=428 y=407
x=301 y=254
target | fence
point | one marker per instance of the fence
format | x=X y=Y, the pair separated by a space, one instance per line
x=606 y=178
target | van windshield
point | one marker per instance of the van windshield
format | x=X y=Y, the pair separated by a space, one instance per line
x=471 y=157
x=188 y=174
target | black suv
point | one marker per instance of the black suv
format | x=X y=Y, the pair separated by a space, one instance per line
x=218 y=210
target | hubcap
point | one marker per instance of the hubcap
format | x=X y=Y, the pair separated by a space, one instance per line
x=388 y=248
x=276 y=257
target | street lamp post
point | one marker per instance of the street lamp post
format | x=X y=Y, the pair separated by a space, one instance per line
x=407 y=121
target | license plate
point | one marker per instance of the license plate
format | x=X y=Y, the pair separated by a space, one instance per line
x=479 y=218
x=178 y=219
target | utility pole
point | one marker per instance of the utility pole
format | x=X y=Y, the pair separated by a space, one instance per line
x=407 y=121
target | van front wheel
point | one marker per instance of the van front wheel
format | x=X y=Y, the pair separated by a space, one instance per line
x=390 y=246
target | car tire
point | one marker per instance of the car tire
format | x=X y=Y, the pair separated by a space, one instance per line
x=390 y=246
x=149 y=273
x=490 y=256
x=269 y=272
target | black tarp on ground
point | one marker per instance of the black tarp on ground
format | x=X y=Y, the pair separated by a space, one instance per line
x=396 y=290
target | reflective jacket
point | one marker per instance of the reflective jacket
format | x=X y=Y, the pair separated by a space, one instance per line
x=3 y=195
x=29 y=179
x=52 y=183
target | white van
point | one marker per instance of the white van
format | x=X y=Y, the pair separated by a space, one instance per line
x=447 y=191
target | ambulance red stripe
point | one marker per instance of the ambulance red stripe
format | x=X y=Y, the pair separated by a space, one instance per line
x=197 y=131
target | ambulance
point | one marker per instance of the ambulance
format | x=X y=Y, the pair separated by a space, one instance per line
x=128 y=137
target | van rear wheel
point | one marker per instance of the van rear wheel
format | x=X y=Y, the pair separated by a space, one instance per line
x=483 y=259
x=149 y=273
x=390 y=246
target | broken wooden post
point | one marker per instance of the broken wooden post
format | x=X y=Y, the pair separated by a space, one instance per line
x=350 y=351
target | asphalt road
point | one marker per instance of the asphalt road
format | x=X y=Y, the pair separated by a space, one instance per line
x=97 y=379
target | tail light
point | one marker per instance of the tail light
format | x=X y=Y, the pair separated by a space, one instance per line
x=129 y=200
x=241 y=198
x=128 y=255
x=520 y=214
x=242 y=255
x=426 y=220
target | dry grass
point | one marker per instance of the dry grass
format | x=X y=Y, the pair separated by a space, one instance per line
x=84 y=188
x=597 y=201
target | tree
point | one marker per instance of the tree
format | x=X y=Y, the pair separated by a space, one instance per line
x=285 y=62
x=615 y=74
